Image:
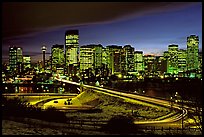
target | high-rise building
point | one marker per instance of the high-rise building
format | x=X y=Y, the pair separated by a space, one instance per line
x=173 y=59
x=149 y=60
x=97 y=56
x=182 y=60
x=200 y=61
x=128 y=54
x=105 y=57
x=43 y=56
x=71 y=51
x=160 y=66
x=15 y=59
x=138 y=58
x=57 y=57
x=192 y=52
x=114 y=58
x=26 y=62
x=86 y=57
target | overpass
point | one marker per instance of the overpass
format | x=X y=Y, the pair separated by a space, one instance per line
x=152 y=100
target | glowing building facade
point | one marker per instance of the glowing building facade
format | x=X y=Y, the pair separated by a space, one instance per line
x=15 y=59
x=138 y=61
x=182 y=60
x=57 y=57
x=71 y=51
x=128 y=58
x=43 y=56
x=173 y=59
x=86 y=58
x=26 y=62
x=149 y=64
x=104 y=60
x=192 y=52
x=114 y=58
x=97 y=56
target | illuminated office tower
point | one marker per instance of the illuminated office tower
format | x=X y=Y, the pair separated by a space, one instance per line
x=15 y=59
x=138 y=58
x=12 y=58
x=173 y=59
x=19 y=59
x=166 y=55
x=192 y=52
x=71 y=51
x=86 y=58
x=182 y=60
x=57 y=57
x=114 y=58
x=128 y=54
x=149 y=64
x=43 y=56
x=97 y=56
x=166 y=60
x=105 y=60
x=160 y=66
x=105 y=63
x=200 y=62
x=26 y=62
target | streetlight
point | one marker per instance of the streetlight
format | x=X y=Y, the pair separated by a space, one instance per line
x=42 y=87
x=63 y=87
x=171 y=102
x=180 y=98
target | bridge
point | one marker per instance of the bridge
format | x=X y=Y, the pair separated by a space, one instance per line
x=183 y=110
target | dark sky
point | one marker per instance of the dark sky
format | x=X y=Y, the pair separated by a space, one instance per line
x=148 y=26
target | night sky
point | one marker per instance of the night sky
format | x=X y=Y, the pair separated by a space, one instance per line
x=147 y=26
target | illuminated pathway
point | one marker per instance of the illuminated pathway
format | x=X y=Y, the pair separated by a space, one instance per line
x=142 y=98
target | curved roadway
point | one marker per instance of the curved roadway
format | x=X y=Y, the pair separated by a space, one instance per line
x=150 y=100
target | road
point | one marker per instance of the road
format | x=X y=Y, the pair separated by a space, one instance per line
x=151 y=100
x=61 y=105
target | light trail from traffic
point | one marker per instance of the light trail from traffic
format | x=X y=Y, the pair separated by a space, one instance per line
x=150 y=100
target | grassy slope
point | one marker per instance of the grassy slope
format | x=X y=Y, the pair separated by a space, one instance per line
x=111 y=106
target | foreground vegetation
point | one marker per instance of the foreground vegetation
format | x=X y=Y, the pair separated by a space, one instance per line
x=111 y=106
x=118 y=112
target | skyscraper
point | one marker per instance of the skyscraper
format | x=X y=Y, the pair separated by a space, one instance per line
x=26 y=62
x=138 y=58
x=71 y=51
x=86 y=57
x=173 y=59
x=192 y=52
x=114 y=58
x=57 y=57
x=182 y=60
x=43 y=56
x=97 y=56
x=15 y=59
x=105 y=57
x=149 y=60
x=128 y=53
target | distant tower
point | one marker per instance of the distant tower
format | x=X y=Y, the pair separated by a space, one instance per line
x=43 y=59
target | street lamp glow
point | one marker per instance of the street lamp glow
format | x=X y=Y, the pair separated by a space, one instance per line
x=120 y=76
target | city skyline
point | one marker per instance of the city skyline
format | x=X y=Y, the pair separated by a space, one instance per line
x=150 y=30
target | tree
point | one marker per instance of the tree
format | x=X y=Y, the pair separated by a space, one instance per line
x=196 y=114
